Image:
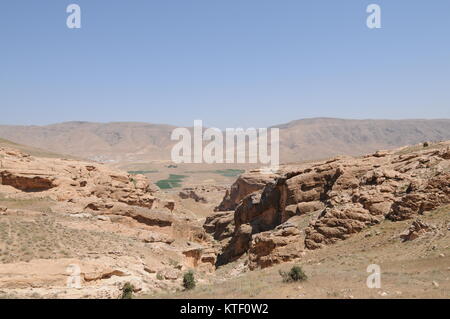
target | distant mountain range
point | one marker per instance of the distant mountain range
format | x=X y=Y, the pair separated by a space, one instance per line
x=304 y=139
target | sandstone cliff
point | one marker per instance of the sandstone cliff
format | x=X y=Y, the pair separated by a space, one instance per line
x=112 y=227
x=308 y=206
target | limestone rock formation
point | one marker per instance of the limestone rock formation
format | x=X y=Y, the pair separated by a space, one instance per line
x=112 y=226
x=66 y=180
x=273 y=247
x=417 y=229
x=246 y=184
x=75 y=278
x=220 y=224
x=186 y=193
x=347 y=194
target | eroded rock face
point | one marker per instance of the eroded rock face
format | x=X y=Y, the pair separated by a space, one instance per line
x=192 y=193
x=273 y=247
x=98 y=202
x=350 y=194
x=74 y=278
x=246 y=184
x=201 y=258
x=65 y=180
x=423 y=196
x=220 y=225
x=27 y=181
x=238 y=245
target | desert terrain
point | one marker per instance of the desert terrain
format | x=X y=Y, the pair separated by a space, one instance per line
x=76 y=226
x=300 y=140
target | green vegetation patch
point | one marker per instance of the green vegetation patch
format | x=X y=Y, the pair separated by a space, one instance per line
x=224 y=172
x=295 y=274
x=142 y=172
x=127 y=291
x=230 y=172
x=172 y=182
x=189 y=280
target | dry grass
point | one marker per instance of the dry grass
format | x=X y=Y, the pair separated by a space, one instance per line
x=419 y=147
x=32 y=150
x=24 y=239
x=339 y=271
x=36 y=204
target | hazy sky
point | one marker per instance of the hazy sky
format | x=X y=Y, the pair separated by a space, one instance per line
x=230 y=63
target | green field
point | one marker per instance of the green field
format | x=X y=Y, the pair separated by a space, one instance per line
x=224 y=172
x=142 y=172
x=172 y=182
x=230 y=172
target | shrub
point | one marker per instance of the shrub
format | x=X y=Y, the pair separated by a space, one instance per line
x=295 y=274
x=127 y=291
x=189 y=280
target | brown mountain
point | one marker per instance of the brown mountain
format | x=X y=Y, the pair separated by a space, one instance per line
x=32 y=150
x=304 y=139
x=320 y=138
x=109 y=141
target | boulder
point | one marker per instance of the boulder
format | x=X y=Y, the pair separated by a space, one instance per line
x=246 y=184
x=283 y=244
x=417 y=229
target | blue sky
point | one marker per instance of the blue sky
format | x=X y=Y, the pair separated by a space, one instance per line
x=230 y=63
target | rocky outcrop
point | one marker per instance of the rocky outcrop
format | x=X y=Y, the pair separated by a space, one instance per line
x=201 y=258
x=283 y=244
x=238 y=245
x=66 y=180
x=27 y=181
x=153 y=237
x=220 y=225
x=75 y=278
x=246 y=184
x=187 y=193
x=417 y=229
x=150 y=218
x=146 y=240
x=349 y=194
x=423 y=196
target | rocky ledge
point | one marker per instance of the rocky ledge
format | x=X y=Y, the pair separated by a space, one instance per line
x=272 y=219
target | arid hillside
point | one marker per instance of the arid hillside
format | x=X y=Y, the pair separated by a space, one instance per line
x=409 y=269
x=66 y=222
x=102 y=142
x=321 y=138
x=276 y=218
x=300 y=140
x=64 y=219
x=335 y=218
x=31 y=150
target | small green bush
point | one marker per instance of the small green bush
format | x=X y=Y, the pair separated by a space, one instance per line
x=127 y=291
x=189 y=280
x=295 y=274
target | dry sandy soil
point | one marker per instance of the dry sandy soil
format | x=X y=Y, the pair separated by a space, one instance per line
x=37 y=231
x=413 y=269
